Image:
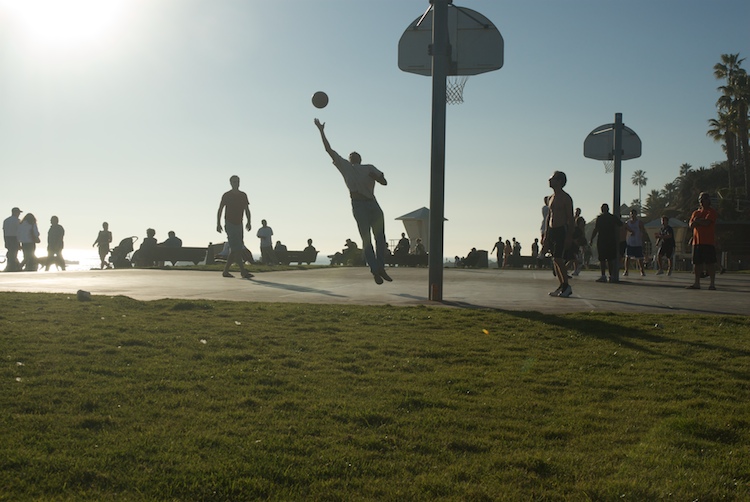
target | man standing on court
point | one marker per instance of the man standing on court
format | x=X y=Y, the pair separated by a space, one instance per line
x=703 y=224
x=558 y=235
x=636 y=236
x=265 y=234
x=666 y=246
x=360 y=180
x=607 y=229
x=236 y=205
x=10 y=234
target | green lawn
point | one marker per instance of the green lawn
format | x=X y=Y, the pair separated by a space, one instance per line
x=116 y=399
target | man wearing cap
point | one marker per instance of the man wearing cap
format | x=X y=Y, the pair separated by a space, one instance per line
x=10 y=233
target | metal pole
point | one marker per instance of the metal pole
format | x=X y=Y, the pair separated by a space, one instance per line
x=617 y=147
x=440 y=63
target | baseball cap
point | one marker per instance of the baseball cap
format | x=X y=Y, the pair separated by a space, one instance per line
x=15 y=209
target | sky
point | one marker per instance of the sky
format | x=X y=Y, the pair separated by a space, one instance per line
x=137 y=112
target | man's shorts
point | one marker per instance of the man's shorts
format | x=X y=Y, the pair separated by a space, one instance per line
x=666 y=250
x=634 y=251
x=556 y=243
x=704 y=254
x=234 y=236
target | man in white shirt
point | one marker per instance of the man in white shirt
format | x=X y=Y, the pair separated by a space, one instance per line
x=10 y=233
x=360 y=180
x=265 y=234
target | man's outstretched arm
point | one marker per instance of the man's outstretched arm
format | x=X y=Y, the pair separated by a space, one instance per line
x=326 y=144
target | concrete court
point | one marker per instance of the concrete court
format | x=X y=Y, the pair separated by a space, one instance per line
x=464 y=288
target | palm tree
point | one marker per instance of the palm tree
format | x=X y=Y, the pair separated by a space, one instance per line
x=655 y=205
x=639 y=179
x=733 y=113
x=684 y=169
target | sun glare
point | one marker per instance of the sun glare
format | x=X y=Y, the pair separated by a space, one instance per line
x=64 y=25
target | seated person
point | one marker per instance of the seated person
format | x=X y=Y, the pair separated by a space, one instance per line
x=280 y=252
x=348 y=255
x=472 y=259
x=172 y=241
x=144 y=256
x=403 y=246
x=310 y=253
x=419 y=248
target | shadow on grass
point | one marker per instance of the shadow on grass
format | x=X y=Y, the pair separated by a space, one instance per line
x=630 y=336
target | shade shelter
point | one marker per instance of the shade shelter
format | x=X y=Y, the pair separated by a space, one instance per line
x=417 y=224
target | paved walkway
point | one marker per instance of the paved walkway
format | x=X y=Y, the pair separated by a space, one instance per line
x=483 y=288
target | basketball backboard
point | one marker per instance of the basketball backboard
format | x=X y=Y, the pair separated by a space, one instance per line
x=476 y=44
x=599 y=144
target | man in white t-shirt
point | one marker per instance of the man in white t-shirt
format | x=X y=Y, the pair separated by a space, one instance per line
x=265 y=234
x=10 y=233
x=360 y=180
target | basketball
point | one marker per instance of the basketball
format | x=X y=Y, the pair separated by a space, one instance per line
x=320 y=99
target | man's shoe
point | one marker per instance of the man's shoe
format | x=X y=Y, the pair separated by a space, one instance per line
x=602 y=279
x=556 y=292
x=660 y=272
x=566 y=292
x=625 y=273
x=385 y=276
x=247 y=275
x=378 y=279
x=227 y=274
x=669 y=273
x=643 y=274
x=693 y=286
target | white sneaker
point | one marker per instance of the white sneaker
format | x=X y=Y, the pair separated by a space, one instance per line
x=566 y=292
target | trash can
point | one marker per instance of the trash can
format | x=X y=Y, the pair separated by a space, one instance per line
x=482 y=261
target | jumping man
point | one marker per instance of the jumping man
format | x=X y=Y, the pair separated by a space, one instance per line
x=360 y=180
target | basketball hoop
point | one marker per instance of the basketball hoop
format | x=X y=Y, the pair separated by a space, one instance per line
x=609 y=166
x=454 y=89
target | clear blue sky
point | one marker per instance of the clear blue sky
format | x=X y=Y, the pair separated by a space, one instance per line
x=138 y=115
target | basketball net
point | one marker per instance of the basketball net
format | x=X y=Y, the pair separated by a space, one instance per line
x=454 y=89
x=609 y=166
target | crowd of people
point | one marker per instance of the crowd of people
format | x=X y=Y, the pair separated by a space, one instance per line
x=562 y=243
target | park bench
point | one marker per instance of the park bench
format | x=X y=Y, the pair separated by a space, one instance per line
x=162 y=254
x=406 y=260
x=298 y=257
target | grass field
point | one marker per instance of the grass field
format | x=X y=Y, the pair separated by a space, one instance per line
x=116 y=399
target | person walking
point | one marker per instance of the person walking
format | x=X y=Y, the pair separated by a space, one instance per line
x=606 y=231
x=10 y=234
x=102 y=242
x=703 y=224
x=500 y=247
x=234 y=205
x=28 y=237
x=558 y=236
x=55 y=244
x=360 y=180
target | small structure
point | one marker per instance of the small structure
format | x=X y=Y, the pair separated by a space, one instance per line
x=417 y=224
